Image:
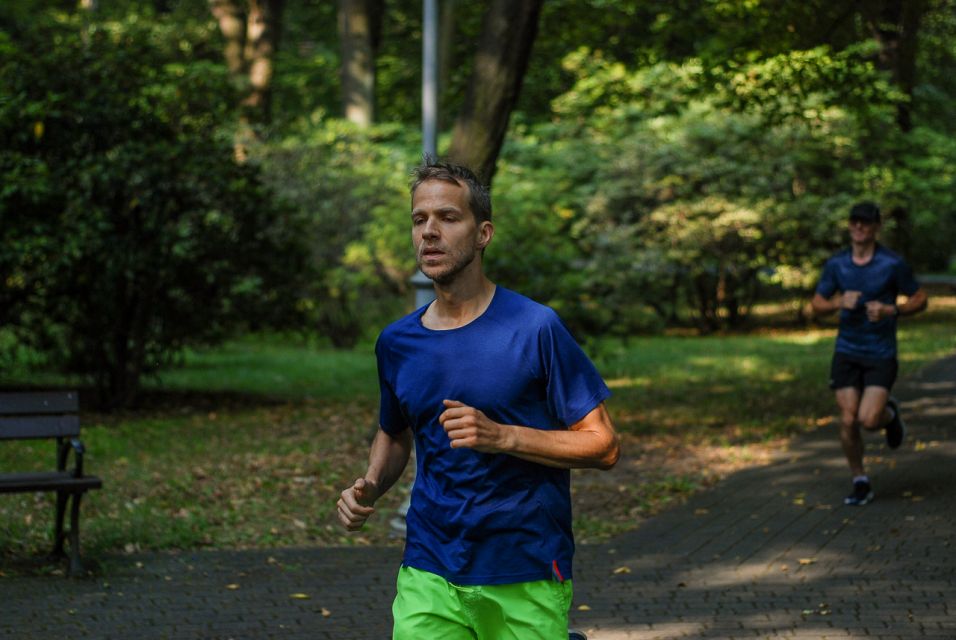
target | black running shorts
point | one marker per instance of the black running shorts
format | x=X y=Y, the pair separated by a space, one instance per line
x=849 y=371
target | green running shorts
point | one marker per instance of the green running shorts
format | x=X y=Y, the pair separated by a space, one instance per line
x=429 y=607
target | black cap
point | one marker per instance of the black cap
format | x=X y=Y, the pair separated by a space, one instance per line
x=865 y=211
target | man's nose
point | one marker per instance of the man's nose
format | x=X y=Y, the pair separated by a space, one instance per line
x=430 y=229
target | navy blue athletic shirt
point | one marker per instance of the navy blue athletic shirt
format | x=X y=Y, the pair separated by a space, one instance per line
x=479 y=518
x=883 y=278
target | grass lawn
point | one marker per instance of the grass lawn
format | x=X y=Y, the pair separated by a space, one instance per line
x=250 y=444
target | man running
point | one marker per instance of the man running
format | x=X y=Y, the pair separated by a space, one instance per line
x=864 y=282
x=500 y=403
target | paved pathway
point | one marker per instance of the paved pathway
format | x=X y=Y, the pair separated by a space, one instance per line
x=770 y=552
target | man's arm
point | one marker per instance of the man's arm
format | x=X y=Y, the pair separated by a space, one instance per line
x=591 y=442
x=914 y=303
x=844 y=300
x=876 y=310
x=386 y=460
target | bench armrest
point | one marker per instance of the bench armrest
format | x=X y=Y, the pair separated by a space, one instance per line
x=78 y=448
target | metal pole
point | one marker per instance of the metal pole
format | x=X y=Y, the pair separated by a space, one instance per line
x=424 y=291
x=430 y=77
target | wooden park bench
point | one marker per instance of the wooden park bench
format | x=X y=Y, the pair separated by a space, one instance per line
x=50 y=415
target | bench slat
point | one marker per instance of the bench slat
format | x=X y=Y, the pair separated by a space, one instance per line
x=25 y=427
x=32 y=402
x=47 y=481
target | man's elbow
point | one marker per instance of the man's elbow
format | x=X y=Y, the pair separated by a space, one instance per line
x=819 y=305
x=923 y=301
x=611 y=454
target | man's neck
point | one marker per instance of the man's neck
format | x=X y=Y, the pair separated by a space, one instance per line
x=459 y=303
x=863 y=252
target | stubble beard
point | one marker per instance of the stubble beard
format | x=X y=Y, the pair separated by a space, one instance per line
x=450 y=274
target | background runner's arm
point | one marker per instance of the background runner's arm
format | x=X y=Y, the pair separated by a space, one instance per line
x=876 y=310
x=591 y=442
x=824 y=305
x=846 y=299
x=914 y=303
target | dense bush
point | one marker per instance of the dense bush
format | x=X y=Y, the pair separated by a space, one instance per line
x=351 y=188
x=128 y=229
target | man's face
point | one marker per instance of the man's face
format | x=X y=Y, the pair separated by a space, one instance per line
x=446 y=236
x=863 y=231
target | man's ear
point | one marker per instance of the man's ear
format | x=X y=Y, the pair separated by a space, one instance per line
x=486 y=231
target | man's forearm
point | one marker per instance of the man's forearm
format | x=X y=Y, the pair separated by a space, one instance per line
x=566 y=449
x=823 y=306
x=591 y=443
x=914 y=304
x=387 y=458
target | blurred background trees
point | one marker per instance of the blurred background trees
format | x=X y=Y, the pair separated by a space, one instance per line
x=179 y=171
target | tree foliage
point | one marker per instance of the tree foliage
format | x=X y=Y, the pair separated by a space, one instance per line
x=690 y=205
x=665 y=163
x=351 y=184
x=128 y=228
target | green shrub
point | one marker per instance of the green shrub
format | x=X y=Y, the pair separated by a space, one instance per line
x=129 y=230
x=651 y=191
x=351 y=188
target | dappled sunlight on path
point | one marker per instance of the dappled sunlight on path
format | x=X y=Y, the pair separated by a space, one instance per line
x=773 y=552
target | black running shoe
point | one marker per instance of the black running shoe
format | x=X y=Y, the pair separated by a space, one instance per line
x=862 y=493
x=573 y=634
x=895 y=429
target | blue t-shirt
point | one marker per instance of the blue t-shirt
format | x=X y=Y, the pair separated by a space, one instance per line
x=883 y=278
x=480 y=518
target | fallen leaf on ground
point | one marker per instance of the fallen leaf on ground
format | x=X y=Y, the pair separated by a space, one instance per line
x=806 y=561
x=583 y=607
x=299 y=596
x=325 y=612
x=232 y=586
x=622 y=570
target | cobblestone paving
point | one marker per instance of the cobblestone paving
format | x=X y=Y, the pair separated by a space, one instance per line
x=770 y=552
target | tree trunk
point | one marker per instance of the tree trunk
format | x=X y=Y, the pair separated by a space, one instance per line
x=359 y=34
x=895 y=26
x=501 y=60
x=262 y=43
x=251 y=30
x=232 y=24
